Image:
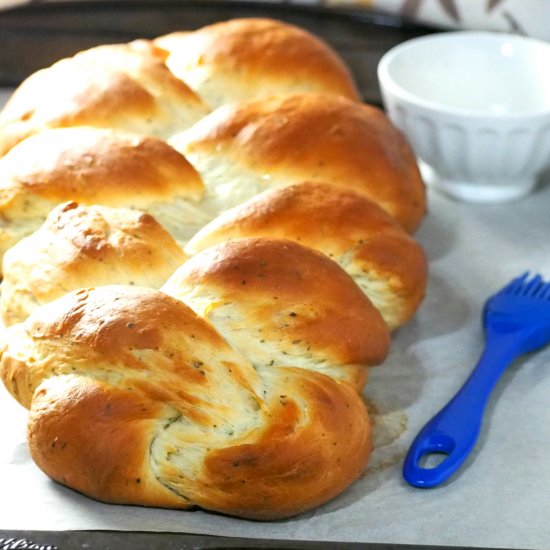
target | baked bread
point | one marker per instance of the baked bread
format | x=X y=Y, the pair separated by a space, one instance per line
x=386 y=263
x=235 y=387
x=125 y=86
x=195 y=419
x=249 y=58
x=245 y=148
x=82 y=246
x=97 y=166
x=281 y=303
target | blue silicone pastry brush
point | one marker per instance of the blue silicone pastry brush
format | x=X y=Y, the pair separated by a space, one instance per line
x=516 y=321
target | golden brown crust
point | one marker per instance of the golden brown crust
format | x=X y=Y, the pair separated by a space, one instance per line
x=288 y=295
x=82 y=246
x=112 y=468
x=314 y=137
x=288 y=456
x=236 y=387
x=347 y=227
x=153 y=379
x=96 y=166
x=107 y=325
x=124 y=86
x=245 y=58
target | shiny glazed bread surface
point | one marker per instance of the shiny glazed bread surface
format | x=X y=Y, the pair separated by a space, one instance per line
x=92 y=246
x=97 y=166
x=386 y=263
x=236 y=386
x=245 y=148
x=186 y=410
x=124 y=86
x=244 y=59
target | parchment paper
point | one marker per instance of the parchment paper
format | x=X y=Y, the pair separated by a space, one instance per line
x=500 y=498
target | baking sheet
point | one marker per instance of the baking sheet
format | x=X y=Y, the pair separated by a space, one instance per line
x=501 y=497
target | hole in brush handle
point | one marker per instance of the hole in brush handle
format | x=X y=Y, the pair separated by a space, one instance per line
x=426 y=463
x=429 y=461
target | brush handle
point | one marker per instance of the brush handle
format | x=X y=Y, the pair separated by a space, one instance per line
x=455 y=429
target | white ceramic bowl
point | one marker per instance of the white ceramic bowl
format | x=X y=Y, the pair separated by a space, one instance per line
x=475 y=107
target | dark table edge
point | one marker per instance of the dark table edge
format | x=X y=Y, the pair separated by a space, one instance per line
x=114 y=540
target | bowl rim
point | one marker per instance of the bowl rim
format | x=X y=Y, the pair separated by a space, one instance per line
x=387 y=83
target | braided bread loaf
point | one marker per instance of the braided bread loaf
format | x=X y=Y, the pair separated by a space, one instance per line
x=197 y=276
x=135 y=398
